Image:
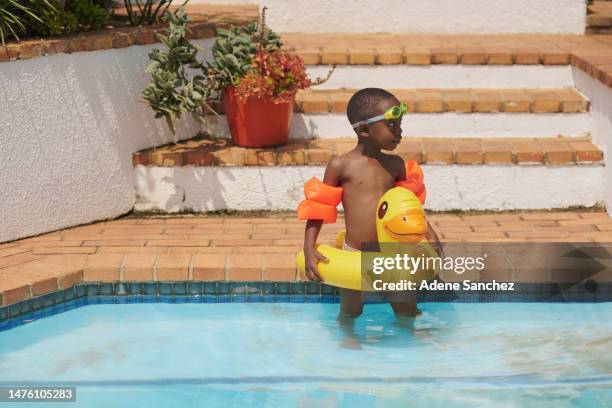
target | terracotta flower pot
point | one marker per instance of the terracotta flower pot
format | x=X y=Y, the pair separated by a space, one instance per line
x=257 y=122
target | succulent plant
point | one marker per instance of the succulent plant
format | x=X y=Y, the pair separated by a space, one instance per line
x=173 y=90
x=235 y=47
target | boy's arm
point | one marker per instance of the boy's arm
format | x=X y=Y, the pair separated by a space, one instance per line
x=332 y=177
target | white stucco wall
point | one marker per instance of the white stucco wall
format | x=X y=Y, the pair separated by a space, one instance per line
x=485 y=187
x=69 y=124
x=601 y=115
x=431 y=16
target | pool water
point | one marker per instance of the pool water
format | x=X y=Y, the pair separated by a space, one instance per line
x=267 y=354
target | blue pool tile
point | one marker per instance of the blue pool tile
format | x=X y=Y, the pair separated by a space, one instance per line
x=238 y=288
x=210 y=288
x=283 y=288
x=283 y=298
x=120 y=289
x=14 y=310
x=149 y=299
x=81 y=290
x=223 y=288
x=106 y=299
x=27 y=306
x=47 y=300
x=121 y=299
x=165 y=288
x=106 y=289
x=71 y=304
x=82 y=302
x=312 y=288
x=268 y=298
x=255 y=298
x=92 y=289
x=134 y=288
x=134 y=299
x=268 y=288
x=327 y=289
x=37 y=303
x=58 y=297
x=209 y=299
x=194 y=288
x=150 y=289
x=312 y=299
x=179 y=288
x=5 y=325
x=297 y=298
x=255 y=288
x=4 y=313
x=327 y=299
x=223 y=298
x=165 y=298
x=297 y=288
x=69 y=294
x=239 y=298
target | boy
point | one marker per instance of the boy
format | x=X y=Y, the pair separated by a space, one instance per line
x=365 y=174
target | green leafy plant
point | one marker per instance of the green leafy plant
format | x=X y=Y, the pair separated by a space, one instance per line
x=14 y=16
x=68 y=18
x=234 y=48
x=89 y=15
x=173 y=91
x=249 y=59
x=147 y=12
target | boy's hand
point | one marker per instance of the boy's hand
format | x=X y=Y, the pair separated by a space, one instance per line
x=312 y=258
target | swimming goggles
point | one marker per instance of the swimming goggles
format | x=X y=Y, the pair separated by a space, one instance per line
x=394 y=112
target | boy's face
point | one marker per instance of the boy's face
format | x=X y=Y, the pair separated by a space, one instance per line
x=386 y=134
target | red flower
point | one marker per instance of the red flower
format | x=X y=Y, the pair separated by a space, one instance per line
x=277 y=75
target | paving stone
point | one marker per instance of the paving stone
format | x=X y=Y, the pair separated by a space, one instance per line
x=209 y=267
x=172 y=267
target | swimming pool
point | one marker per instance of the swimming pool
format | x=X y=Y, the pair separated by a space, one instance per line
x=281 y=354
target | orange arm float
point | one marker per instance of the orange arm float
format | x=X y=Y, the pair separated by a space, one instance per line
x=320 y=203
x=414 y=180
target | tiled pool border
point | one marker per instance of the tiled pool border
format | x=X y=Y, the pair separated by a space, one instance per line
x=280 y=292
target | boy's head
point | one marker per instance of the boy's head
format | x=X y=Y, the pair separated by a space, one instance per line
x=369 y=103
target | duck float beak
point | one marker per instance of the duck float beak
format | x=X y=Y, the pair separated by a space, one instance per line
x=408 y=226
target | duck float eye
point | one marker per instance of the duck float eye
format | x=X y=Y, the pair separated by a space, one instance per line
x=382 y=210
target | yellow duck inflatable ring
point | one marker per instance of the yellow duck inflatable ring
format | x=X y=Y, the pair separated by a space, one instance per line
x=400 y=219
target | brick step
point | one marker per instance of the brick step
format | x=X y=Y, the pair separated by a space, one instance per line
x=470 y=112
x=463 y=151
x=599 y=19
x=455 y=100
x=426 y=49
x=467 y=100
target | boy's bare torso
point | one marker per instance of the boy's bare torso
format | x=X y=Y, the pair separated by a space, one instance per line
x=364 y=180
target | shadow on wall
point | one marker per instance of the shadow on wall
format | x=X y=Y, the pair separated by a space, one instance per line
x=201 y=189
x=69 y=124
